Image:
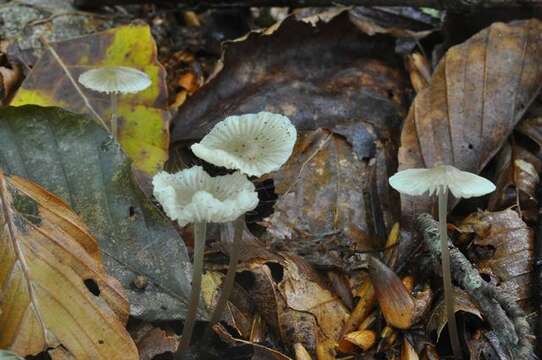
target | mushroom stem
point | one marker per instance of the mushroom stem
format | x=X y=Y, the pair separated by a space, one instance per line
x=229 y=281
x=114 y=125
x=449 y=299
x=199 y=247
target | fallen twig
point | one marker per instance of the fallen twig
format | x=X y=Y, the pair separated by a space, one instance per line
x=504 y=316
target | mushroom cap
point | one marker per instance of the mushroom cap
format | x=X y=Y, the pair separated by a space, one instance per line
x=192 y=195
x=255 y=144
x=462 y=184
x=115 y=79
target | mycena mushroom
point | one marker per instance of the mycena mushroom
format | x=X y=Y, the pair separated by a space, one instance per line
x=193 y=196
x=115 y=80
x=438 y=180
x=254 y=144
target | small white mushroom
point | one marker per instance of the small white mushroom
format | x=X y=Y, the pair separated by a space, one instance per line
x=115 y=80
x=193 y=196
x=255 y=144
x=438 y=180
x=462 y=184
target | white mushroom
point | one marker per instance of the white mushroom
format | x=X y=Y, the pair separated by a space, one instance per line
x=115 y=80
x=193 y=196
x=462 y=184
x=255 y=144
x=438 y=180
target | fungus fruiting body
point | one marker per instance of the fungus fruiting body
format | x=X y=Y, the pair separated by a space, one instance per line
x=115 y=80
x=438 y=180
x=254 y=144
x=193 y=196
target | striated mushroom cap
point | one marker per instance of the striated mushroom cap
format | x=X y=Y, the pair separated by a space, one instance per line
x=192 y=195
x=115 y=79
x=255 y=144
x=462 y=184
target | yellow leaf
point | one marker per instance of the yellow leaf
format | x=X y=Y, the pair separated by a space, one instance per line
x=143 y=117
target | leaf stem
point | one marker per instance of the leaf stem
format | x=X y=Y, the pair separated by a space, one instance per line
x=114 y=116
x=229 y=281
x=200 y=230
x=449 y=298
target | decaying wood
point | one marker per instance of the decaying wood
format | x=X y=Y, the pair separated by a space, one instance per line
x=504 y=316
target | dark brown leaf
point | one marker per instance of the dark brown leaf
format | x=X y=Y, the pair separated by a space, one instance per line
x=319 y=76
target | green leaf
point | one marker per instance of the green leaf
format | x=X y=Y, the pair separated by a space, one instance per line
x=73 y=157
x=143 y=117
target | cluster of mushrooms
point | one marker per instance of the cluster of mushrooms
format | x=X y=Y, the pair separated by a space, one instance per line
x=253 y=145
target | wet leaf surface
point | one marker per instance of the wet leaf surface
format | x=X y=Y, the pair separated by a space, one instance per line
x=73 y=157
x=143 y=117
x=46 y=251
x=478 y=93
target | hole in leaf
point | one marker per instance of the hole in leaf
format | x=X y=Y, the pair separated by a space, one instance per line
x=131 y=212
x=277 y=271
x=92 y=286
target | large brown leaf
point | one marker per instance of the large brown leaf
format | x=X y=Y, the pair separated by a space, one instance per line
x=55 y=293
x=478 y=93
x=325 y=75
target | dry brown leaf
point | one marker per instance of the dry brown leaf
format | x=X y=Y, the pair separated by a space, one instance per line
x=396 y=303
x=437 y=319
x=260 y=352
x=505 y=246
x=407 y=351
x=301 y=353
x=517 y=172
x=478 y=93
x=364 y=339
x=293 y=300
x=331 y=205
x=47 y=251
x=152 y=341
